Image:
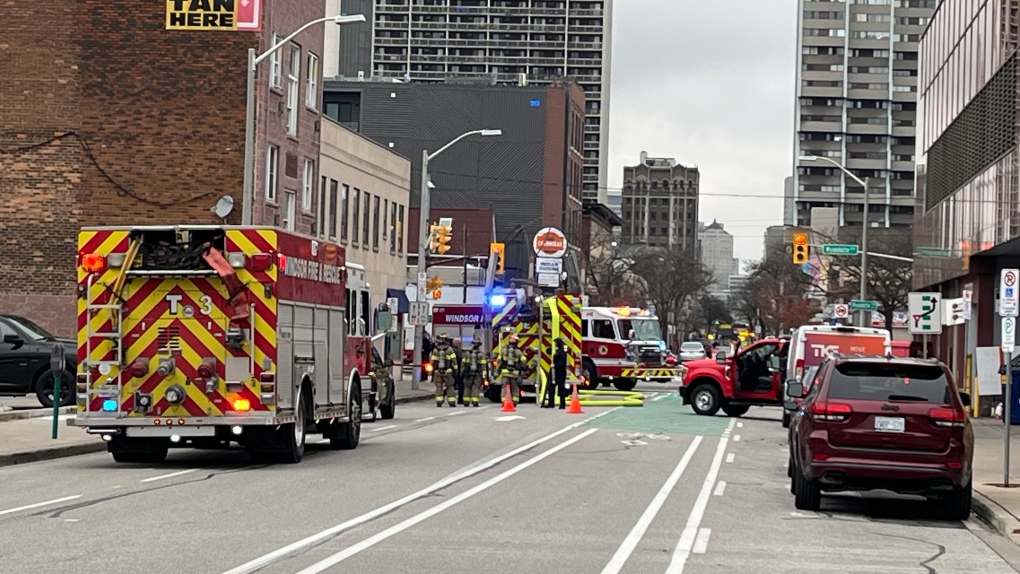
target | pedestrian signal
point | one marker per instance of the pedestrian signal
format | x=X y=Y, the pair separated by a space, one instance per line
x=801 y=249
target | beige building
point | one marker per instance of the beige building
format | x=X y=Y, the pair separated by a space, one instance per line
x=363 y=205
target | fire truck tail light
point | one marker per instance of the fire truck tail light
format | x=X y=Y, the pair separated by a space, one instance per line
x=267 y=388
x=116 y=260
x=237 y=260
x=242 y=405
x=261 y=261
x=93 y=262
x=281 y=261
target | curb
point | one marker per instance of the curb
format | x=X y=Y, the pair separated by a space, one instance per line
x=1004 y=523
x=65 y=451
x=51 y=453
x=33 y=414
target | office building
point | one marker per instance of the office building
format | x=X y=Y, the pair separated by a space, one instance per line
x=717 y=254
x=856 y=105
x=967 y=226
x=509 y=41
x=530 y=175
x=660 y=203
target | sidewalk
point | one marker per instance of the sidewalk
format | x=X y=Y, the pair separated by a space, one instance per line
x=998 y=506
x=25 y=435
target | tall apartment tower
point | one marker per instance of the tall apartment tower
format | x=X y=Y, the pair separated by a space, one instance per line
x=660 y=203
x=499 y=41
x=856 y=105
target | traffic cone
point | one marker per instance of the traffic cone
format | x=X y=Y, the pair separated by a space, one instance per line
x=508 y=402
x=575 y=403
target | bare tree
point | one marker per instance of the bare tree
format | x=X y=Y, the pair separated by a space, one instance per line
x=610 y=276
x=775 y=294
x=674 y=279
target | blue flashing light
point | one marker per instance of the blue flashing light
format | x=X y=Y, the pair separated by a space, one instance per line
x=109 y=405
x=536 y=103
x=497 y=300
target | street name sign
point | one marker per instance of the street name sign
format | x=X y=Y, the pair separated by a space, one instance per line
x=840 y=249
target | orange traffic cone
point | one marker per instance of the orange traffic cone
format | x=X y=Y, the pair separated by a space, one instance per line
x=508 y=402
x=575 y=403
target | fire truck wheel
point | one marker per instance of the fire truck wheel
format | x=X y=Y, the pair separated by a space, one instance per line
x=387 y=410
x=136 y=451
x=591 y=376
x=492 y=393
x=347 y=435
x=293 y=434
x=705 y=399
x=624 y=384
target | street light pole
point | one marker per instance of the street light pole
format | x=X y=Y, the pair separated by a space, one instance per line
x=864 y=227
x=423 y=225
x=248 y=197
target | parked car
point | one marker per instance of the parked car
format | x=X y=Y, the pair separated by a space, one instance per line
x=691 y=351
x=890 y=423
x=25 y=350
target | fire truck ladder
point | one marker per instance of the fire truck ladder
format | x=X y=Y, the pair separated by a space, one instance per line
x=116 y=309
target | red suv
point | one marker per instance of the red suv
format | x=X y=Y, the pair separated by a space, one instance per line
x=888 y=423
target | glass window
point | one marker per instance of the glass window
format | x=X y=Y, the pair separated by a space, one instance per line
x=393 y=227
x=400 y=230
x=367 y=221
x=312 y=82
x=307 y=194
x=275 y=70
x=375 y=222
x=890 y=382
x=332 y=208
x=289 y=210
x=385 y=219
x=343 y=212
x=603 y=329
x=292 y=90
x=356 y=215
x=272 y=172
x=323 y=218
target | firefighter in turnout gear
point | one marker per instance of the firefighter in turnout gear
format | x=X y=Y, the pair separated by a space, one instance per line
x=444 y=365
x=475 y=370
x=511 y=365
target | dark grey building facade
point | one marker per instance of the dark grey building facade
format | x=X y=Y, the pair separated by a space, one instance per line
x=531 y=176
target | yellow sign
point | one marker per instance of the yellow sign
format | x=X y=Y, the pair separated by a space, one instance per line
x=214 y=15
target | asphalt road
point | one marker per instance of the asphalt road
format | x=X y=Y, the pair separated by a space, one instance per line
x=636 y=490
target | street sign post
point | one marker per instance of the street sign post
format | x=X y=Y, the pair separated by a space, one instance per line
x=933 y=252
x=856 y=305
x=840 y=249
x=925 y=314
x=1009 y=293
x=841 y=311
x=57 y=366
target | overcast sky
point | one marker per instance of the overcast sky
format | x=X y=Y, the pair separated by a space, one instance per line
x=710 y=83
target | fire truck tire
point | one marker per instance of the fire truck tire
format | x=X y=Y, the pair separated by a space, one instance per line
x=735 y=411
x=492 y=393
x=706 y=399
x=347 y=435
x=591 y=375
x=624 y=384
x=293 y=434
x=137 y=451
x=387 y=410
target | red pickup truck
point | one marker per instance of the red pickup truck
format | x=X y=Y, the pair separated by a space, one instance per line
x=754 y=377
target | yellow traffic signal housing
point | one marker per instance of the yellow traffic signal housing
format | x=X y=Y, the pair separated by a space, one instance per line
x=433 y=237
x=499 y=249
x=801 y=249
x=433 y=283
x=444 y=237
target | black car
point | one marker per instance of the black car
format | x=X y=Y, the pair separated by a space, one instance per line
x=25 y=350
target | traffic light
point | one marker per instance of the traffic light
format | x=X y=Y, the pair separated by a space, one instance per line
x=499 y=249
x=800 y=248
x=433 y=284
x=437 y=293
x=433 y=237
x=444 y=235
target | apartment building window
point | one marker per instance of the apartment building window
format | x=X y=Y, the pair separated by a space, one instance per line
x=367 y=221
x=272 y=172
x=275 y=70
x=393 y=227
x=356 y=215
x=312 y=82
x=324 y=225
x=288 y=210
x=332 y=208
x=400 y=230
x=375 y=222
x=307 y=199
x=343 y=213
x=292 y=90
x=385 y=219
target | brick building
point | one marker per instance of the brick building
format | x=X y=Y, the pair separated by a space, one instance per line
x=107 y=119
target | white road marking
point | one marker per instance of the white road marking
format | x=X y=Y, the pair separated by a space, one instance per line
x=729 y=457
x=387 y=427
x=720 y=488
x=425 y=419
x=736 y=438
x=423 y=516
x=740 y=425
x=38 y=504
x=701 y=542
x=634 y=537
x=465 y=412
x=687 y=538
x=290 y=549
x=171 y=475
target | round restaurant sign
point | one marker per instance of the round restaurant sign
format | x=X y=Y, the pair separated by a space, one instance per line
x=550 y=242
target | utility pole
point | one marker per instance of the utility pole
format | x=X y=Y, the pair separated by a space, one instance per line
x=864 y=250
x=423 y=234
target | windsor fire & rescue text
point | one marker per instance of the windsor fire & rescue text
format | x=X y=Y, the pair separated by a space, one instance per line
x=313 y=271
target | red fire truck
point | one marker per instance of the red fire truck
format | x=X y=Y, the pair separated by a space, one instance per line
x=199 y=336
x=624 y=345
